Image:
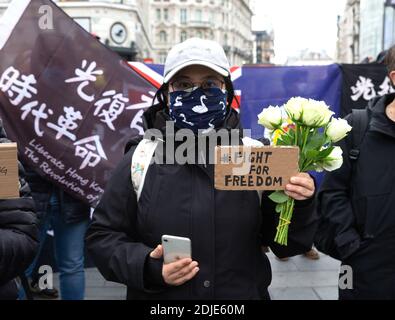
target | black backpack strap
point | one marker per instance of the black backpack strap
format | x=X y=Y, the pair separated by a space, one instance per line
x=360 y=124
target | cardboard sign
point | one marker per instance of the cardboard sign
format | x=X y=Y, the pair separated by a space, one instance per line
x=9 y=180
x=255 y=168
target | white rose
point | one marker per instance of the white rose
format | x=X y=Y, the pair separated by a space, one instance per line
x=294 y=107
x=338 y=129
x=334 y=161
x=270 y=117
x=316 y=114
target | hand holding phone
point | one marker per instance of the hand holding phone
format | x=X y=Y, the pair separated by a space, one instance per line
x=178 y=266
x=176 y=248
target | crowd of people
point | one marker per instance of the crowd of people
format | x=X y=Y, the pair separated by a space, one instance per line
x=350 y=216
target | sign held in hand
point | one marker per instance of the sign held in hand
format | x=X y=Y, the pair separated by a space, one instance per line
x=9 y=181
x=255 y=168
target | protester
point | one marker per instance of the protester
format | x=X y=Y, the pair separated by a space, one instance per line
x=226 y=228
x=34 y=274
x=18 y=234
x=356 y=202
x=69 y=219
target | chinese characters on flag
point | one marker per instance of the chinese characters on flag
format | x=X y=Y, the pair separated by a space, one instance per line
x=69 y=102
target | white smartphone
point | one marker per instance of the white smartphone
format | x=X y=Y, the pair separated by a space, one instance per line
x=176 y=248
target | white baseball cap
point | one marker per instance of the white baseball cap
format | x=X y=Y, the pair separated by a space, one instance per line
x=195 y=51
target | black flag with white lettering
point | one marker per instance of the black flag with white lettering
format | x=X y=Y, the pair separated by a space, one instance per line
x=69 y=102
x=362 y=82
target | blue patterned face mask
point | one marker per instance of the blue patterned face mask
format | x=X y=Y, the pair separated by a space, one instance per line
x=199 y=109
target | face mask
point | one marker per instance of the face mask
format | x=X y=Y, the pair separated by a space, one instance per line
x=199 y=109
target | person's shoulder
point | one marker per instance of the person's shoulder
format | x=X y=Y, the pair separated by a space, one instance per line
x=124 y=165
x=132 y=144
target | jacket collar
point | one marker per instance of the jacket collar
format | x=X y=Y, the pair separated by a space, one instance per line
x=379 y=120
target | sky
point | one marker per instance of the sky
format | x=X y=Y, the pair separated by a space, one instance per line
x=299 y=24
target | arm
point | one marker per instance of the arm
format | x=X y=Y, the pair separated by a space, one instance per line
x=337 y=234
x=18 y=237
x=23 y=186
x=18 y=229
x=112 y=238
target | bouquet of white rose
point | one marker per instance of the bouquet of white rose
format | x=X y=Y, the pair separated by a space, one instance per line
x=308 y=124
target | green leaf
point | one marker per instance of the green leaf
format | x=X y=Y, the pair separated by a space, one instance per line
x=325 y=153
x=279 y=207
x=315 y=142
x=311 y=154
x=278 y=197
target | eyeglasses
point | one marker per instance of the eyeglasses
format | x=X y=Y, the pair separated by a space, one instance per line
x=189 y=86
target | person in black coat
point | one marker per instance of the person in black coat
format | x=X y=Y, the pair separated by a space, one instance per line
x=18 y=234
x=356 y=203
x=226 y=228
x=68 y=218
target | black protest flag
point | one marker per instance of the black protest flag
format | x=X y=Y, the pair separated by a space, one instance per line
x=70 y=103
x=362 y=82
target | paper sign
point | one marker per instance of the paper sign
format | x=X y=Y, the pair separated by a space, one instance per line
x=255 y=168
x=9 y=181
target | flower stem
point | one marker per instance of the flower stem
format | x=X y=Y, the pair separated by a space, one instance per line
x=284 y=222
x=305 y=136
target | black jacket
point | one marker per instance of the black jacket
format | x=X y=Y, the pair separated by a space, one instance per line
x=72 y=210
x=356 y=208
x=18 y=235
x=226 y=228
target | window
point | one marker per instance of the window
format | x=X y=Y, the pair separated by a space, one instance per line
x=163 y=36
x=199 y=15
x=162 y=57
x=158 y=14
x=199 y=34
x=183 y=16
x=84 y=22
x=183 y=36
x=166 y=14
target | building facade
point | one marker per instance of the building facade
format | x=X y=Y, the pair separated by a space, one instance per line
x=263 y=47
x=309 y=58
x=225 y=21
x=371 y=31
x=120 y=24
x=349 y=33
x=389 y=24
x=366 y=28
x=145 y=30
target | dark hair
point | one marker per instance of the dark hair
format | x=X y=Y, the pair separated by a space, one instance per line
x=161 y=94
x=389 y=59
